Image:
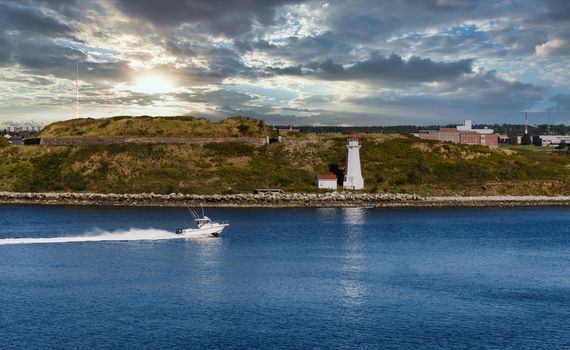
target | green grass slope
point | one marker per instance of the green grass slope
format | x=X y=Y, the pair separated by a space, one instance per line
x=155 y=126
x=391 y=163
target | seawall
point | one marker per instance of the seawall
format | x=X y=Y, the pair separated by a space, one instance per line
x=278 y=200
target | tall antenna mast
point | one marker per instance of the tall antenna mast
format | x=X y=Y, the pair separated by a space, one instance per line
x=77 y=91
x=549 y=122
x=525 y=123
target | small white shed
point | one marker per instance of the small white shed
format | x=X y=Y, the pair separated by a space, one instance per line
x=327 y=181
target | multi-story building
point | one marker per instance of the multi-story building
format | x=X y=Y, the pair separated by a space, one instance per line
x=448 y=134
x=464 y=134
x=469 y=138
x=550 y=140
x=491 y=140
x=15 y=128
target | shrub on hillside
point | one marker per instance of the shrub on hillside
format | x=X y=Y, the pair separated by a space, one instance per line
x=229 y=149
x=526 y=140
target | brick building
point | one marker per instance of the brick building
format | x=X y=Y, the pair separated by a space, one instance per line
x=463 y=134
x=469 y=138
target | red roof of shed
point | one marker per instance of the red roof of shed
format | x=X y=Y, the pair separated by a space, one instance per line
x=327 y=177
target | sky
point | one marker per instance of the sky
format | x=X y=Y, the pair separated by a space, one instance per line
x=288 y=62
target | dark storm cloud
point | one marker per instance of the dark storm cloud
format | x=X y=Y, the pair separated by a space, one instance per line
x=222 y=97
x=491 y=83
x=562 y=103
x=388 y=69
x=38 y=71
x=484 y=96
x=558 y=10
x=221 y=63
x=444 y=45
x=416 y=69
x=363 y=21
x=304 y=49
x=218 y=16
x=14 y=16
x=31 y=80
x=179 y=49
x=60 y=61
x=52 y=57
x=5 y=49
x=94 y=95
x=224 y=63
x=27 y=30
x=292 y=70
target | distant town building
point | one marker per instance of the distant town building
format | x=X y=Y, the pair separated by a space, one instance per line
x=464 y=134
x=468 y=127
x=352 y=173
x=15 y=128
x=326 y=181
x=32 y=141
x=550 y=140
x=15 y=140
x=469 y=138
x=503 y=138
x=269 y=140
x=290 y=130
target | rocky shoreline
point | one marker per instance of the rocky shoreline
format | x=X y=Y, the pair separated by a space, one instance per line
x=278 y=200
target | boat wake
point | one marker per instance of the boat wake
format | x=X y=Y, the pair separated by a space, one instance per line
x=132 y=234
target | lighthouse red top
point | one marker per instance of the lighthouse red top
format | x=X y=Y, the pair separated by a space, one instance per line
x=354 y=136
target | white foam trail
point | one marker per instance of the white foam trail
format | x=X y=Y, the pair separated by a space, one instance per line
x=133 y=234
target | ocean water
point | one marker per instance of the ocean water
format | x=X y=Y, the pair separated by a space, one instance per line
x=117 y=278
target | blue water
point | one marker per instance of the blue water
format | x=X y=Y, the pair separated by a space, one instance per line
x=287 y=278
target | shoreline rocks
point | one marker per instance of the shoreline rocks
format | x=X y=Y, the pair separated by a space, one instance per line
x=277 y=200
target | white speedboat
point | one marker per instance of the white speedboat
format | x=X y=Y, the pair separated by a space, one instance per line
x=204 y=226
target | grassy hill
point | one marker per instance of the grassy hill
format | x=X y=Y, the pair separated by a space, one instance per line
x=155 y=126
x=391 y=163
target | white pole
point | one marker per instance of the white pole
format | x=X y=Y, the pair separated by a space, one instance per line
x=77 y=91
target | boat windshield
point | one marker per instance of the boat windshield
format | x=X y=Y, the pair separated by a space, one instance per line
x=203 y=221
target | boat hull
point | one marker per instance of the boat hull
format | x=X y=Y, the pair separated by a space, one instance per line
x=213 y=230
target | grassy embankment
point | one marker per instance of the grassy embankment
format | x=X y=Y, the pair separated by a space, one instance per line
x=155 y=126
x=391 y=162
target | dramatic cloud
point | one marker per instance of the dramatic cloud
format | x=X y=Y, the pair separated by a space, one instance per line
x=562 y=103
x=218 y=16
x=287 y=61
x=31 y=21
x=552 y=47
x=395 y=69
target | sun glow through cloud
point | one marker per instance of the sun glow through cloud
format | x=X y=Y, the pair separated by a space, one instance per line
x=152 y=84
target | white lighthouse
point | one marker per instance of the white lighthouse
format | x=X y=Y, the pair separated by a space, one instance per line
x=352 y=174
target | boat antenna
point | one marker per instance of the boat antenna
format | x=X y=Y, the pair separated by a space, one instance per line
x=202 y=210
x=192 y=212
